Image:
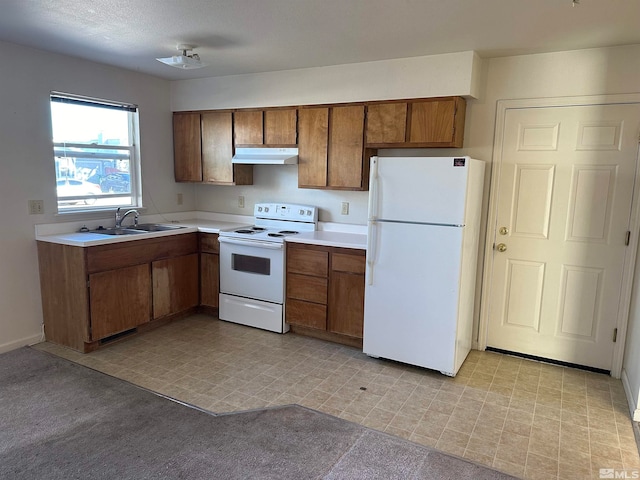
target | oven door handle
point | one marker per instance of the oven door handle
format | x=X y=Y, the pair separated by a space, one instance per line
x=252 y=243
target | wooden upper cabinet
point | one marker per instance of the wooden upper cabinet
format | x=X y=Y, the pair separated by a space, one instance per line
x=217 y=151
x=186 y=147
x=386 y=122
x=275 y=127
x=280 y=127
x=346 y=148
x=203 y=148
x=437 y=122
x=432 y=122
x=248 y=127
x=331 y=150
x=313 y=146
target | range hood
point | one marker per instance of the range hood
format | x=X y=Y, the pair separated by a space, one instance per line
x=266 y=156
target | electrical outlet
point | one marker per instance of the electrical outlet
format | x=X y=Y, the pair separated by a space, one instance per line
x=345 y=208
x=240 y=201
x=36 y=207
x=179 y=199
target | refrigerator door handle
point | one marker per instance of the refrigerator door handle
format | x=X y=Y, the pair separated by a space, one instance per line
x=373 y=202
x=373 y=189
x=370 y=250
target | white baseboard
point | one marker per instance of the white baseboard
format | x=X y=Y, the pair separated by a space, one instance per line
x=7 y=347
x=633 y=403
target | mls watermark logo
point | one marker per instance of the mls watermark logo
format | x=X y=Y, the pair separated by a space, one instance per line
x=619 y=473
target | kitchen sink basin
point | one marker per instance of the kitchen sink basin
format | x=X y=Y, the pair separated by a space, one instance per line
x=155 y=227
x=117 y=231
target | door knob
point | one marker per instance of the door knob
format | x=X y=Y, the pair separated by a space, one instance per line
x=503 y=230
x=501 y=247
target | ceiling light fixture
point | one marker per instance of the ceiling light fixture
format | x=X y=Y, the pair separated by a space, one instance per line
x=185 y=61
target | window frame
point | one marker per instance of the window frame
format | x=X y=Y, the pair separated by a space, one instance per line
x=67 y=149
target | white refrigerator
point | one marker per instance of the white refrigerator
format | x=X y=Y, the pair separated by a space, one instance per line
x=422 y=251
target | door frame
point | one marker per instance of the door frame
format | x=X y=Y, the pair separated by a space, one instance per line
x=630 y=254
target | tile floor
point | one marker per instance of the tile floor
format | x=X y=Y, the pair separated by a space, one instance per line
x=526 y=418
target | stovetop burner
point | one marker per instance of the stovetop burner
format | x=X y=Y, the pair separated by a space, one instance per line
x=276 y=221
x=250 y=230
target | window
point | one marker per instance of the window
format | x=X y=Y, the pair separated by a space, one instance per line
x=96 y=154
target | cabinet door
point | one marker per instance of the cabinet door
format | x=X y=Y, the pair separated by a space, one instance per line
x=187 y=158
x=175 y=284
x=209 y=279
x=346 y=147
x=346 y=295
x=386 y=123
x=437 y=122
x=313 y=136
x=280 y=127
x=217 y=151
x=247 y=127
x=119 y=299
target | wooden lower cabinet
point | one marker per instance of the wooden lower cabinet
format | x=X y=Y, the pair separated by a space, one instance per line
x=325 y=292
x=346 y=295
x=119 y=300
x=90 y=294
x=175 y=285
x=209 y=270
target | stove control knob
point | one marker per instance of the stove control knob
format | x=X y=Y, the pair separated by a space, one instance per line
x=266 y=209
x=259 y=209
x=308 y=213
x=301 y=212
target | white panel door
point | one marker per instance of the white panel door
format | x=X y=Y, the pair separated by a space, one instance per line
x=564 y=201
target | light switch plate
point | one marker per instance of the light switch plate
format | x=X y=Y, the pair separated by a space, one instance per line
x=345 y=208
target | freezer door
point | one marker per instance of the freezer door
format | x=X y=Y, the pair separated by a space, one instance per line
x=411 y=295
x=419 y=189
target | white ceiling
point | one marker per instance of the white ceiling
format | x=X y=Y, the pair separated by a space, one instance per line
x=250 y=36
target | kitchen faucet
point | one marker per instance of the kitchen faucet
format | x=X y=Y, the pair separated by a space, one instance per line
x=119 y=218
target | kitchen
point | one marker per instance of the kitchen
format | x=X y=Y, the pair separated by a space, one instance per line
x=25 y=136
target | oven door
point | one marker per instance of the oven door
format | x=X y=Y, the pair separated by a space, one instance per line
x=252 y=269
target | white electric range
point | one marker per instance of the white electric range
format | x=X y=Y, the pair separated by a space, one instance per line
x=252 y=265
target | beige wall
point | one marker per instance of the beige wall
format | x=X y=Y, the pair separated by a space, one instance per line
x=27 y=168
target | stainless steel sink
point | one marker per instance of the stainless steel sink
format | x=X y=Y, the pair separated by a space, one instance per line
x=156 y=227
x=117 y=231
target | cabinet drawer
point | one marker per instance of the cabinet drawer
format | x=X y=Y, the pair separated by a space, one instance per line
x=341 y=262
x=209 y=243
x=306 y=314
x=308 y=262
x=311 y=289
